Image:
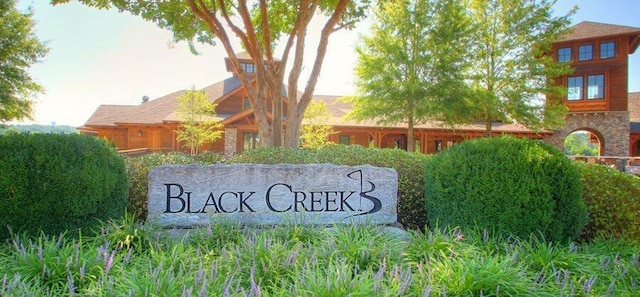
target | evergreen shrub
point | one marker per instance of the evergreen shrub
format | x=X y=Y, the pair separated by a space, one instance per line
x=55 y=183
x=510 y=185
x=138 y=172
x=613 y=202
x=411 y=212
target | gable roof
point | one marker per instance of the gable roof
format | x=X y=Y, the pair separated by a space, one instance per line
x=105 y=115
x=584 y=30
x=155 y=111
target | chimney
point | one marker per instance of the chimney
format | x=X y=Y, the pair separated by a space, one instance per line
x=145 y=99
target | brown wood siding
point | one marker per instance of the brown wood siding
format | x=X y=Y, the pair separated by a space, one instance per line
x=614 y=69
x=115 y=136
x=230 y=105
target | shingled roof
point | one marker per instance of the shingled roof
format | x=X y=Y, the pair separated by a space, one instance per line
x=588 y=30
x=157 y=110
x=338 y=108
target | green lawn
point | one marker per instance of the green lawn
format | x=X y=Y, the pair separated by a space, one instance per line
x=130 y=259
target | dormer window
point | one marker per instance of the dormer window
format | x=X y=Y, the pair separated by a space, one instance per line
x=585 y=52
x=564 y=54
x=248 y=67
x=607 y=50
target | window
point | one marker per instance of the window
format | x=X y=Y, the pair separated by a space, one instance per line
x=585 y=52
x=344 y=139
x=564 y=54
x=397 y=143
x=607 y=50
x=450 y=143
x=246 y=104
x=595 y=88
x=438 y=145
x=417 y=146
x=574 y=88
x=250 y=141
x=248 y=67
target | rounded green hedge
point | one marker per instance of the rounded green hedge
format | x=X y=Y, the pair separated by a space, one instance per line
x=411 y=212
x=613 y=202
x=510 y=185
x=55 y=183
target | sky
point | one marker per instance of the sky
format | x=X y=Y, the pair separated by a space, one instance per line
x=107 y=57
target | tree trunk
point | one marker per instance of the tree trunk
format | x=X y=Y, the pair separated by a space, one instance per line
x=410 y=137
x=488 y=126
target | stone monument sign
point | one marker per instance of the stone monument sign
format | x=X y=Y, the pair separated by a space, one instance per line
x=194 y=195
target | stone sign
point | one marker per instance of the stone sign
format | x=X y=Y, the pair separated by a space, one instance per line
x=195 y=195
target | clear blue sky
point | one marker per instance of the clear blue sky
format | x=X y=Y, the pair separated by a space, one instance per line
x=106 y=57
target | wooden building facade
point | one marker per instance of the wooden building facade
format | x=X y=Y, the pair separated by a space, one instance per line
x=597 y=99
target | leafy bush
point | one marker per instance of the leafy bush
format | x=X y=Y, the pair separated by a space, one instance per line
x=409 y=166
x=613 y=202
x=514 y=186
x=138 y=171
x=53 y=183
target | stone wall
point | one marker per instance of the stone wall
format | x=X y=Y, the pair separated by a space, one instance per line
x=611 y=127
x=230 y=141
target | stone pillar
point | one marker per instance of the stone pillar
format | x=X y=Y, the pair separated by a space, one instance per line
x=230 y=141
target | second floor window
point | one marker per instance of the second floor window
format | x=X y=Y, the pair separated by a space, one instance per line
x=574 y=88
x=607 y=50
x=590 y=87
x=595 y=88
x=585 y=52
x=564 y=54
x=248 y=67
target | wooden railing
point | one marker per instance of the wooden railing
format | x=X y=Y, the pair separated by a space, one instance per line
x=624 y=164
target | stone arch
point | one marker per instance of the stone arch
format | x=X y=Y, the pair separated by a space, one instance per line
x=595 y=133
x=612 y=129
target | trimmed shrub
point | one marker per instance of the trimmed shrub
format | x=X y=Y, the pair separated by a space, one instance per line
x=409 y=166
x=54 y=183
x=138 y=171
x=613 y=202
x=514 y=186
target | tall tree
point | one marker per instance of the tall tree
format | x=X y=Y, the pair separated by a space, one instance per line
x=411 y=68
x=259 y=25
x=511 y=65
x=198 y=123
x=316 y=129
x=19 y=49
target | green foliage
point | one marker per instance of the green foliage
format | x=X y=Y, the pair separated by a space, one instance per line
x=127 y=234
x=613 y=202
x=59 y=264
x=138 y=172
x=198 y=123
x=270 y=262
x=411 y=68
x=53 y=183
x=316 y=129
x=579 y=144
x=57 y=129
x=411 y=211
x=260 y=27
x=19 y=49
x=517 y=186
x=511 y=66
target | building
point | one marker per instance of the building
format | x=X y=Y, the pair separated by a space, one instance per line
x=597 y=99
